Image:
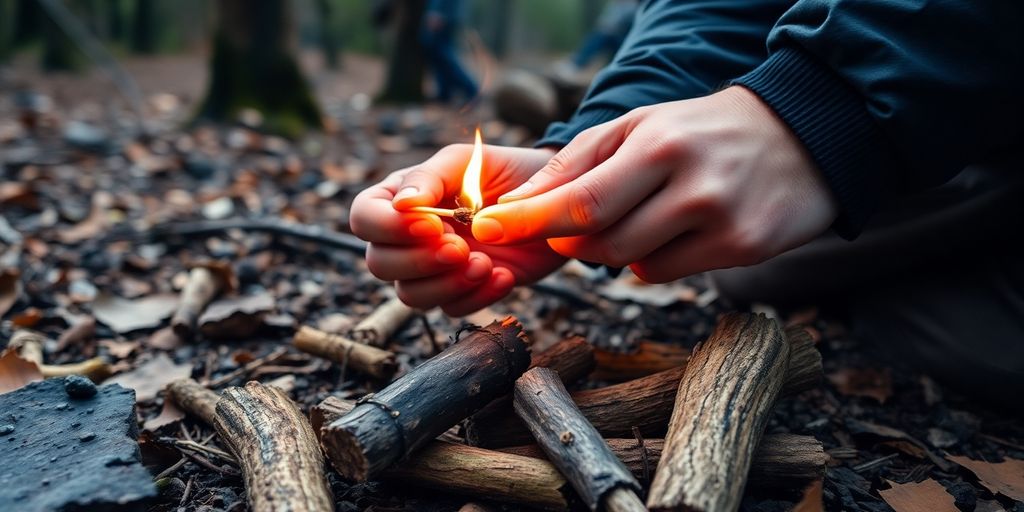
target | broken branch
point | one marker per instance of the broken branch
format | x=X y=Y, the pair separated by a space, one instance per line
x=377 y=328
x=364 y=358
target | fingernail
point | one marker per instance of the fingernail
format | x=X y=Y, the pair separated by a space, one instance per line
x=425 y=228
x=450 y=254
x=407 y=193
x=518 y=191
x=477 y=270
x=487 y=230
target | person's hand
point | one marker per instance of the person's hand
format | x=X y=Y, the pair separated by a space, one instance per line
x=672 y=190
x=439 y=263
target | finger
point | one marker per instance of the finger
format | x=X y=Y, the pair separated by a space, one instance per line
x=393 y=263
x=642 y=231
x=439 y=177
x=584 y=206
x=586 y=151
x=497 y=287
x=444 y=288
x=374 y=219
x=689 y=254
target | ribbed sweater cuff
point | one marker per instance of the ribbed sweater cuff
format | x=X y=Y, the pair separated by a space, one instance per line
x=559 y=134
x=831 y=120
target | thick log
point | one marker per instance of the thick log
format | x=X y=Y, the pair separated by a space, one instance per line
x=377 y=328
x=282 y=464
x=723 y=405
x=204 y=283
x=649 y=358
x=193 y=398
x=572 y=444
x=387 y=426
x=645 y=403
x=784 y=460
x=363 y=358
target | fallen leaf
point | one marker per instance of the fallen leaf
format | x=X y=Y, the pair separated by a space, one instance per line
x=94 y=224
x=16 y=372
x=925 y=496
x=119 y=349
x=123 y=315
x=1006 y=478
x=812 y=500
x=867 y=382
x=628 y=287
x=10 y=287
x=164 y=339
x=28 y=318
x=81 y=331
x=857 y=427
x=169 y=414
x=236 y=317
x=150 y=378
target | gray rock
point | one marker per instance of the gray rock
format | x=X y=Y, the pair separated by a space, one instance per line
x=79 y=387
x=62 y=454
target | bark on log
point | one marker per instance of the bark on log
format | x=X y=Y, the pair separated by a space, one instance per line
x=781 y=460
x=645 y=402
x=648 y=358
x=572 y=444
x=364 y=358
x=377 y=328
x=388 y=426
x=204 y=283
x=193 y=398
x=282 y=464
x=723 y=405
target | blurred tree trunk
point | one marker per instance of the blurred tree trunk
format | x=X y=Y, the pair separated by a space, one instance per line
x=499 y=21
x=59 y=51
x=145 y=27
x=115 y=20
x=328 y=37
x=28 y=22
x=254 y=65
x=407 y=63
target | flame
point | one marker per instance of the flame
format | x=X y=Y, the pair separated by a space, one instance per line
x=472 y=196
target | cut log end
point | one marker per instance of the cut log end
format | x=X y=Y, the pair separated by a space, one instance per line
x=347 y=456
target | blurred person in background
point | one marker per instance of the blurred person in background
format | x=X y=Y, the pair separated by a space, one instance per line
x=605 y=39
x=441 y=25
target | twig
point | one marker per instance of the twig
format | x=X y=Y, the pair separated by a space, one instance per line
x=871 y=464
x=192 y=445
x=204 y=462
x=1004 y=442
x=643 y=454
x=188 y=491
x=170 y=471
x=250 y=366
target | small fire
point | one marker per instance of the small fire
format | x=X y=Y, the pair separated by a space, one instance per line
x=471 y=196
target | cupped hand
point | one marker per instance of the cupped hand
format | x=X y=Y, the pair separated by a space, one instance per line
x=672 y=190
x=438 y=263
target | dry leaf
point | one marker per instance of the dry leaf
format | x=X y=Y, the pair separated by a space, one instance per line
x=28 y=318
x=119 y=349
x=812 y=500
x=94 y=224
x=926 y=496
x=150 y=378
x=628 y=287
x=164 y=339
x=169 y=414
x=858 y=427
x=237 y=317
x=123 y=315
x=16 y=372
x=868 y=382
x=10 y=287
x=1006 y=478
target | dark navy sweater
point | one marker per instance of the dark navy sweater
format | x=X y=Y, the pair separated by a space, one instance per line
x=888 y=96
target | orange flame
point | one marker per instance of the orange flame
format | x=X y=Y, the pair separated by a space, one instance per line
x=471 y=196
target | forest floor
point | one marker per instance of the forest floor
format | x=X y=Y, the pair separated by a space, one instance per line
x=78 y=196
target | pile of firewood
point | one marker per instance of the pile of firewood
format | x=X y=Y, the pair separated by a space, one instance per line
x=488 y=418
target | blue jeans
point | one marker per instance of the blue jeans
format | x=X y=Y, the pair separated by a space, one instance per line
x=449 y=75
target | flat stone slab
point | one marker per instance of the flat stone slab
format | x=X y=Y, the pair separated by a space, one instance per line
x=61 y=452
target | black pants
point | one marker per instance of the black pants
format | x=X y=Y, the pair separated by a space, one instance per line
x=936 y=281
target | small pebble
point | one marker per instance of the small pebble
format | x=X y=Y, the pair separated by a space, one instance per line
x=86 y=437
x=6 y=429
x=79 y=387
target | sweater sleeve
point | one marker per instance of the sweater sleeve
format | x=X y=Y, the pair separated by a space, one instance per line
x=895 y=96
x=675 y=50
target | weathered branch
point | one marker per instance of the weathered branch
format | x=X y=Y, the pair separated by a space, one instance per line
x=364 y=358
x=193 y=398
x=572 y=444
x=724 y=402
x=388 y=426
x=281 y=461
x=645 y=403
x=377 y=328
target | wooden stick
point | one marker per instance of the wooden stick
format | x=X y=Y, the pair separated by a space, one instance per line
x=29 y=345
x=782 y=460
x=193 y=398
x=388 y=426
x=364 y=358
x=723 y=405
x=281 y=462
x=645 y=403
x=205 y=282
x=573 y=445
x=377 y=328
x=648 y=358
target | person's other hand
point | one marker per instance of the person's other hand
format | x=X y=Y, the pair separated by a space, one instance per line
x=437 y=263
x=672 y=190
